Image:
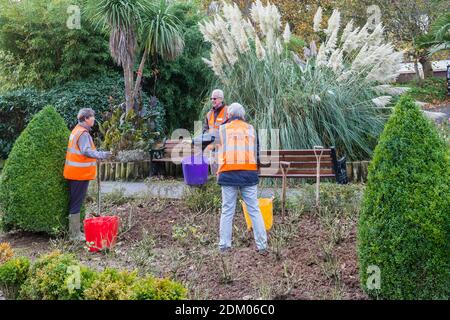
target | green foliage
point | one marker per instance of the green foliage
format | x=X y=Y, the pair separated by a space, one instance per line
x=433 y=90
x=53 y=277
x=438 y=39
x=16 y=110
x=404 y=226
x=444 y=130
x=12 y=275
x=344 y=197
x=123 y=285
x=33 y=192
x=38 y=48
x=206 y=198
x=129 y=131
x=182 y=84
x=111 y=285
x=57 y=276
x=99 y=92
x=159 y=289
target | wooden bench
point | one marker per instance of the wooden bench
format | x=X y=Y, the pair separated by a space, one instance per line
x=314 y=163
x=303 y=164
x=169 y=151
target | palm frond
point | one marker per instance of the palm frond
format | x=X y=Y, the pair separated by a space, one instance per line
x=162 y=31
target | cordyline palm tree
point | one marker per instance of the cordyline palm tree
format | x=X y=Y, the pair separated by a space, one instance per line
x=161 y=35
x=438 y=39
x=133 y=26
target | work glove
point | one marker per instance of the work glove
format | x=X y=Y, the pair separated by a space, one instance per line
x=106 y=154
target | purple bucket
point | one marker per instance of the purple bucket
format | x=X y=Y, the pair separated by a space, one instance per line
x=195 y=170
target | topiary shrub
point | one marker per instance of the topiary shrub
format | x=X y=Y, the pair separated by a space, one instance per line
x=13 y=274
x=404 y=226
x=33 y=192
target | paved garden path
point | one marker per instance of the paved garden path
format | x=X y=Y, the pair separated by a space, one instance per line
x=171 y=189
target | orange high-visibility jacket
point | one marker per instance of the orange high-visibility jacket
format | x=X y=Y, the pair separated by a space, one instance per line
x=214 y=124
x=78 y=166
x=238 y=147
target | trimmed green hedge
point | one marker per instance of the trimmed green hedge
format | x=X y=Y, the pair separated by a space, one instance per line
x=57 y=276
x=33 y=192
x=404 y=226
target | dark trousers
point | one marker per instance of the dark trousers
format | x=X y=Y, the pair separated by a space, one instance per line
x=78 y=190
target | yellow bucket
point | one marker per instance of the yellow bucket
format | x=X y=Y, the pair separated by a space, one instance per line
x=266 y=207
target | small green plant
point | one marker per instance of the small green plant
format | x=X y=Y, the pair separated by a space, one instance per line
x=116 y=197
x=188 y=234
x=111 y=285
x=6 y=252
x=13 y=274
x=278 y=239
x=205 y=199
x=143 y=253
x=336 y=223
x=158 y=289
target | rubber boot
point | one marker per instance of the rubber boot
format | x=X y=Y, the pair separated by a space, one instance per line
x=74 y=228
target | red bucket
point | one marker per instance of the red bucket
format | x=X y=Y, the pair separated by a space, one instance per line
x=101 y=232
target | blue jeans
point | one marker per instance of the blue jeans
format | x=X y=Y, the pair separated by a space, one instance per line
x=250 y=197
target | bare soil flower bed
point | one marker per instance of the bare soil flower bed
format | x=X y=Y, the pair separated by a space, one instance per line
x=312 y=256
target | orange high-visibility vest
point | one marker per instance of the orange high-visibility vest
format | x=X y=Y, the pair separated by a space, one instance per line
x=78 y=166
x=214 y=124
x=238 y=147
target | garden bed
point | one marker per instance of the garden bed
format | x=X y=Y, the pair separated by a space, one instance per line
x=312 y=255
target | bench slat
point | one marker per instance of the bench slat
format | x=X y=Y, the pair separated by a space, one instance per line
x=279 y=175
x=301 y=171
x=299 y=164
x=297 y=152
x=294 y=158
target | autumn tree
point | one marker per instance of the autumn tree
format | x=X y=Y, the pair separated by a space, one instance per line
x=405 y=22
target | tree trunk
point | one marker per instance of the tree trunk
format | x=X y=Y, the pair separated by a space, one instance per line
x=137 y=85
x=128 y=78
x=418 y=75
x=426 y=66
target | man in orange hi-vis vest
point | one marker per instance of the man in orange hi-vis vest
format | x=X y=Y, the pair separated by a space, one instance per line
x=238 y=154
x=80 y=167
x=214 y=119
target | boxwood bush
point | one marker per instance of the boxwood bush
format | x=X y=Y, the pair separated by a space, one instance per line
x=33 y=192
x=404 y=226
x=52 y=277
x=13 y=274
